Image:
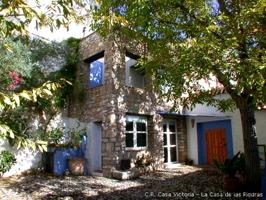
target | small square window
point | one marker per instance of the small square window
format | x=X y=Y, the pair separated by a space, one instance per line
x=96 y=72
x=173 y=154
x=129 y=140
x=136 y=131
x=141 y=126
x=172 y=139
x=141 y=139
x=172 y=127
x=129 y=126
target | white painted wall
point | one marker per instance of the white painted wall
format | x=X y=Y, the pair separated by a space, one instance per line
x=200 y=114
x=27 y=159
x=261 y=126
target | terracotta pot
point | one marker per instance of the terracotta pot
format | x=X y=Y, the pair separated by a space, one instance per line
x=76 y=166
x=231 y=184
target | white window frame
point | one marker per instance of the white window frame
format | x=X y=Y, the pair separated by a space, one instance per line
x=168 y=145
x=135 y=119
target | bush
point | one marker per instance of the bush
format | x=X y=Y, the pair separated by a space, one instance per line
x=144 y=160
x=232 y=166
x=7 y=159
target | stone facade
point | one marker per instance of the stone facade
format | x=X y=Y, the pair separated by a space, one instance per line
x=111 y=102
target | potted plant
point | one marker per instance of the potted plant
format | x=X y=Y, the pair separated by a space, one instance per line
x=7 y=159
x=77 y=164
x=233 y=170
x=65 y=151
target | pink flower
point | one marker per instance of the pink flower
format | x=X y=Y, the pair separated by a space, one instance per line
x=16 y=80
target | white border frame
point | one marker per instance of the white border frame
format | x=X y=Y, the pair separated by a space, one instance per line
x=134 y=119
x=168 y=145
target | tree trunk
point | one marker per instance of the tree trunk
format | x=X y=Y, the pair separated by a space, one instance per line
x=250 y=146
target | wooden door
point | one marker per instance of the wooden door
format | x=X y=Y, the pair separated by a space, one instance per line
x=216 y=145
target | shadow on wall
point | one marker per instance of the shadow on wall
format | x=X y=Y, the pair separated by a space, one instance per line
x=152 y=186
x=26 y=159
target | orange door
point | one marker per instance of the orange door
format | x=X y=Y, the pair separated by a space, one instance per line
x=216 y=145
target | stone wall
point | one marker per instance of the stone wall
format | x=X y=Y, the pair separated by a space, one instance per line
x=182 y=140
x=111 y=102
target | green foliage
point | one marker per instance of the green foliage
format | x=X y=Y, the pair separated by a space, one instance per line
x=17 y=131
x=53 y=14
x=231 y=166
x=69 y=69
x=188 y=42
x=16 y=59
x=7 y=159
x=217 y=41
x=27 y=90
x=42 y=94
x=54 y=136
x=60 y=137
x=53 y=61
x=75 y=137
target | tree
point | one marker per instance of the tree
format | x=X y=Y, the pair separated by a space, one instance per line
x=33 y=86
x=16 y=61
x=16 y=16
x=219 y=41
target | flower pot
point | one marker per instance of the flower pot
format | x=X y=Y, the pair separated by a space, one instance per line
x=76 y=166
x=231 y=184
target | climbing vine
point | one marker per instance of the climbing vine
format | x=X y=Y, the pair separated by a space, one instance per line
x=28 y=106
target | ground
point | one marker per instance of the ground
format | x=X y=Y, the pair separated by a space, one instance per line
x=175 y=183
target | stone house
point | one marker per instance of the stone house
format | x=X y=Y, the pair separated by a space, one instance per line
x=115 y=102
x=122 y=109
x=124 y=118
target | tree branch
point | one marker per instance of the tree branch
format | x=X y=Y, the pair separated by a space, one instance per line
x=223 y=8
x=201 y=22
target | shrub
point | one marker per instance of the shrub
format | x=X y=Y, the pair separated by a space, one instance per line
x=231 y=166
x=144 y=160
x=7 y=159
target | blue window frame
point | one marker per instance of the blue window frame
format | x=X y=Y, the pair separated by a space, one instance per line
x=96 y=73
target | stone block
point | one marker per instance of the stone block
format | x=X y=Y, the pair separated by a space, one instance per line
x=126 y=175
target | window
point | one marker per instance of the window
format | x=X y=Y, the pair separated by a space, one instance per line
x=136 y=131
x=134 y=76
x=96 y=72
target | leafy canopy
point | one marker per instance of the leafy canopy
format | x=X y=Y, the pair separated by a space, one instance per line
x=194 y=44
x=16 y=16
x=24 y=86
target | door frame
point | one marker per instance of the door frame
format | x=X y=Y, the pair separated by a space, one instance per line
x=202 y=126
x=94 y=149
x=168 y=145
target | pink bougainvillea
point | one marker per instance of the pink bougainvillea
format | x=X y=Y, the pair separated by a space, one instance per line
x=16 y=80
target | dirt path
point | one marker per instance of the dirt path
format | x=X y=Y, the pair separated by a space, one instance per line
x=183 y=183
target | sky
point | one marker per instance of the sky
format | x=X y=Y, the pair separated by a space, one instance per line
x=75 y=30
